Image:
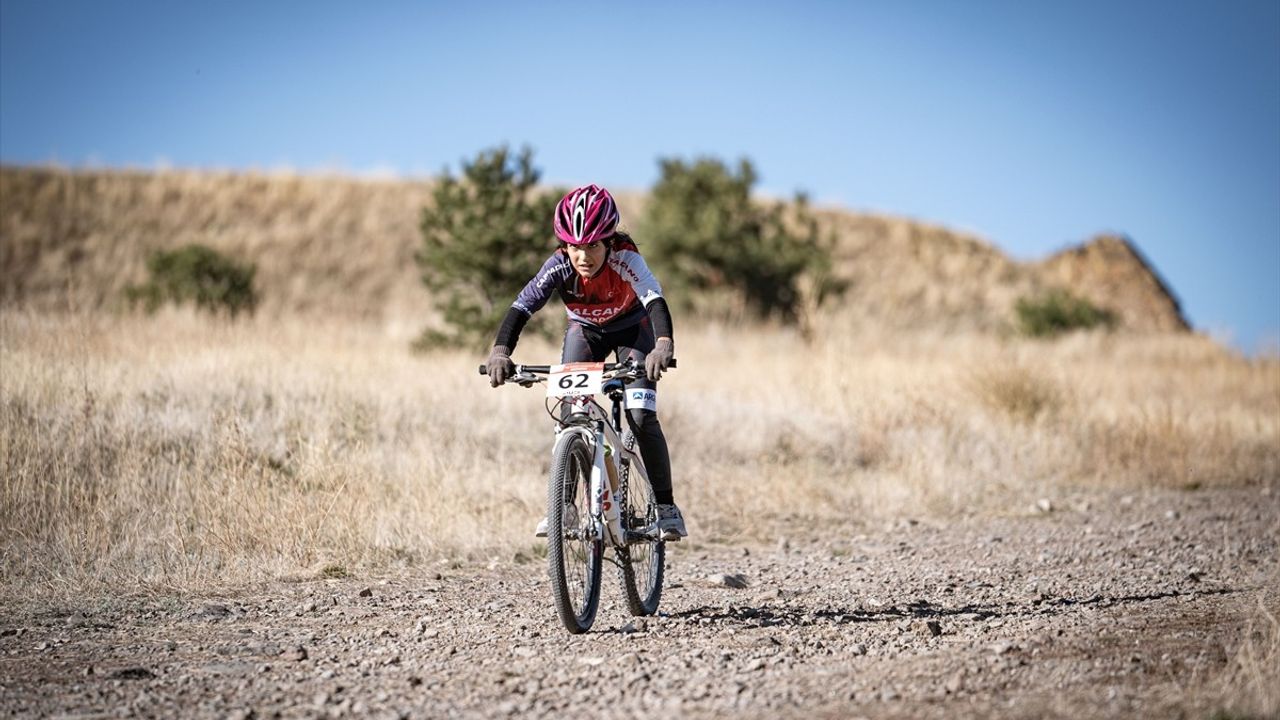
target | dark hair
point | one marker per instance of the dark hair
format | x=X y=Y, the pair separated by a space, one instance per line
x=609 y=242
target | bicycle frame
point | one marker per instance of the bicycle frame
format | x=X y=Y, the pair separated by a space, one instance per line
x=589 y=419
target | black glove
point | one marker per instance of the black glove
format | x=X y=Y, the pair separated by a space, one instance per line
x=659 y=358
x=499 y=365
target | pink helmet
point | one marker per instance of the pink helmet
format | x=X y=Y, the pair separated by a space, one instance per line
x=586 y=215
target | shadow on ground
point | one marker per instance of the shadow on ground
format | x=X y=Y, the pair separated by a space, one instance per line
x=797 y=616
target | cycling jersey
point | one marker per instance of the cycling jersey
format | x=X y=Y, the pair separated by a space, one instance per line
x=615 y=298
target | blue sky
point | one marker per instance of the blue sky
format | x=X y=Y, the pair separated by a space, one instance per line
x=1032 y=124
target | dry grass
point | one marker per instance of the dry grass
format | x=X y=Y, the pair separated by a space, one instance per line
x=183 y=451
x=1253 y=680
x=1248 y=686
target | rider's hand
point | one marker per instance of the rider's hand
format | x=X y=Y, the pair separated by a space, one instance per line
x=499 y=365
x=659 y=358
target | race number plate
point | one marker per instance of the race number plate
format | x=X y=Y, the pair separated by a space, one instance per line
x=574 y=379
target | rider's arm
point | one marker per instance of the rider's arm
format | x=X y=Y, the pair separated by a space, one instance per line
x=535 y=294
x=631 y=266
x=660 y=318
x=509 y=330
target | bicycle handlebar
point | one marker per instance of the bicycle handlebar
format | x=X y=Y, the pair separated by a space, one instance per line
x=545 y=369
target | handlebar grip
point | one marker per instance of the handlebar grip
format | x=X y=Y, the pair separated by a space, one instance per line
x=484 y=369
x=673 y=364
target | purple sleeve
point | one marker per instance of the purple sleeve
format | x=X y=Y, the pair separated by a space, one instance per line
x=538 y=291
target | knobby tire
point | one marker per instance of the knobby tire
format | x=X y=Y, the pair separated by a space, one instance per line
x=574 y=563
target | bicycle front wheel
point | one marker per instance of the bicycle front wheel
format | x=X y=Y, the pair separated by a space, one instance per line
x=574 y=554
x=641 y=563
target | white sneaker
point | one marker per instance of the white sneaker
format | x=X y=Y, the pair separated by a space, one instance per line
x=671 y=522
x=570 y=518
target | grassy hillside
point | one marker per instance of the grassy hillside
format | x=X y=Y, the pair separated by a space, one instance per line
x=332 y=246
x=323 y=245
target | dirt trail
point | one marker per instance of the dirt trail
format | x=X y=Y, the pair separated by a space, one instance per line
x=1104 y=606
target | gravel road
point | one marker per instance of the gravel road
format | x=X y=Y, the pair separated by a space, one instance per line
x=1096 y=605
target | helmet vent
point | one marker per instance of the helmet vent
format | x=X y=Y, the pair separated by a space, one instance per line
x=580 y=217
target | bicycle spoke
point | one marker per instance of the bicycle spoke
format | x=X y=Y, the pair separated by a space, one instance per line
x=577 y=547
x=641 y=566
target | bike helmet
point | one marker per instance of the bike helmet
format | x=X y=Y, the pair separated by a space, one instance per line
x=586 y=215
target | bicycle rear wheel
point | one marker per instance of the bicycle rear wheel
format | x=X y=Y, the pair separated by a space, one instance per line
x=640 y=564
x=574 y=556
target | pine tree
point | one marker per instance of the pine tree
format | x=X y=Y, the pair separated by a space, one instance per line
x=707 y=236
x=485 y=234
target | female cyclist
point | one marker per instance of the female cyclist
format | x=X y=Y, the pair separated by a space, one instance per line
x=615 y=305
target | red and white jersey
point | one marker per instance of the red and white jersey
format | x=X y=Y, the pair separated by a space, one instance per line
x=615 y=297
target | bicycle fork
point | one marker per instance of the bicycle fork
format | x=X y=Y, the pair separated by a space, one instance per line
x=604 y=505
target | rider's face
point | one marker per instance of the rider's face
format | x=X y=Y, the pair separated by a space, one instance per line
x=587 y=259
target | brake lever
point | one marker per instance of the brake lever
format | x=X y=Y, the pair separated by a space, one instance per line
x=526 y=379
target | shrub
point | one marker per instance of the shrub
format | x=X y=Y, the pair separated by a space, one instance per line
x=198 y=274
x=1057 y=312
x=1016 y=391
x=703 y=233
x=483 y=237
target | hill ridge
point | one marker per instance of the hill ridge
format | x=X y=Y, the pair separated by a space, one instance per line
x=343 y=245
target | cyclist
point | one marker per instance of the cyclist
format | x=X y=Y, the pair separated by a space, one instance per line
x=615 y=305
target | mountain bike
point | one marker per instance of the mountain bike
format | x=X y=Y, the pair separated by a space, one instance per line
x=598 y=491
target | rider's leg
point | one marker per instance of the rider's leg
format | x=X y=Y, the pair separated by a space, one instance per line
x=653 y=448
x=642 y=413
x=642 y=416
x=582 y=344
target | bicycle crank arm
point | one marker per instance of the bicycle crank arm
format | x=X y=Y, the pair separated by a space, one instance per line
x=636 y=537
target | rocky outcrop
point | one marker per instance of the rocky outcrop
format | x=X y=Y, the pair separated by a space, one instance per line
x=1111 y=272
x=908 y=274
